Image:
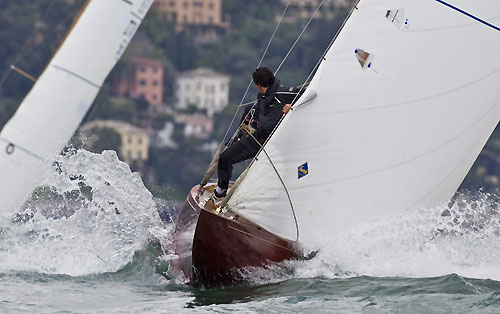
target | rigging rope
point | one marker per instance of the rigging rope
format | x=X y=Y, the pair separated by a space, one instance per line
x=260 y=63
x=211 y=169
x=282 y=182
x=300 y=35
x=306 y=82
x=27 y=43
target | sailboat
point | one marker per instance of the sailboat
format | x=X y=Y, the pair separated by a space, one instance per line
x=398 y=110
x=62 y=95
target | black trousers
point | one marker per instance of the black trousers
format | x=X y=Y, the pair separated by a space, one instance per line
x=239 y=151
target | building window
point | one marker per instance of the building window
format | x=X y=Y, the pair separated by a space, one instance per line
x=139 y=140
x=142 y=69
x=142 y=82
x=130 y=139
x=198 y=4
x=172 y=4
x=139 y=155
x=211 y=6
x=155 y=97
x=186 y=4
x=155 y=83
x=185 y=18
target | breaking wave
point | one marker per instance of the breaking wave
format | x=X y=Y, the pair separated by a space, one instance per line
x=90 y=216
x=93 y=215
x=418 y=243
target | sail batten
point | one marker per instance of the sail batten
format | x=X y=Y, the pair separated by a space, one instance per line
x=406 y=98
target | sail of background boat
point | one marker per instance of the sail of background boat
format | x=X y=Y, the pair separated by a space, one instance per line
x=61 y=97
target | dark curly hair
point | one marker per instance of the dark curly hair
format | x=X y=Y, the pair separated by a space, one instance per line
x=263 y=76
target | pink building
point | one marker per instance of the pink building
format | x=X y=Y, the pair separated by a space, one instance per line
x=146 y=81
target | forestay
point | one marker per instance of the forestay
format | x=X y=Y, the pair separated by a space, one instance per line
x=59 y=100
x=407 y=97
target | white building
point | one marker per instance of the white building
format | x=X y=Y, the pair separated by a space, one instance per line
x=203 y=88
x=196 y=125
x=164 y=137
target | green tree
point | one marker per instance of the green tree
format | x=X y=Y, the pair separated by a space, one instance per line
x=115 y=108
x=106 y=139
x=8 y=107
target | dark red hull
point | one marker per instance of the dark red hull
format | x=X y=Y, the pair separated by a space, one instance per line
x=212 y=247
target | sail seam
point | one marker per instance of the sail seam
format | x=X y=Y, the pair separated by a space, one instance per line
x=77 y=76
x=469 y=15
x=417 y=157
x=136 y=16
x=128 y=1
x=420 y=99
x=22 y=149
x=443 y=181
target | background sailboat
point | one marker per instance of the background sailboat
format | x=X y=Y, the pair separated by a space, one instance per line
x=62 y=95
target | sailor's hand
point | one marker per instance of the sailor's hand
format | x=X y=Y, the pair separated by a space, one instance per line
x=244 y=128
x=287 y=108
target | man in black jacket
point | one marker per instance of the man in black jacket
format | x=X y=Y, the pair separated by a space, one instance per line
x=273 y=101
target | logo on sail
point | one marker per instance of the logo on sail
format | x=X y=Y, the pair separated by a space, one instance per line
x=397 y=18
x=365 y=59
x=303 y=170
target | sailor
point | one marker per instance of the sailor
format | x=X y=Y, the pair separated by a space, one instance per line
x=273 y=100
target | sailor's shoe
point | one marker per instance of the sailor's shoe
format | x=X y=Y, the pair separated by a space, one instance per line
x=220 y=193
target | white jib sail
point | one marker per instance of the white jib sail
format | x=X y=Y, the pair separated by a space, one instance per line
x=407 y=97
x=55 y=106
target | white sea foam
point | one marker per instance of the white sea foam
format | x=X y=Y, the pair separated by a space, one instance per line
x=91 y=217
x=416 y=243
x=78 y=235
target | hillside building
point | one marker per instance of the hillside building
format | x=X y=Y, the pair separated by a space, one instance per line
x=303 y=9
x=196 y=125
x=204 y=17
x=203 y=88
x=135 y=141
x=145 y=82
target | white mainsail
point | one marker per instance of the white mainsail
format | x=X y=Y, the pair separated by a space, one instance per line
x=406 y=99
x=55 y=106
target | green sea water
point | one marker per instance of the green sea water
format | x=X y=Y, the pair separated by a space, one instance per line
x=138 y=289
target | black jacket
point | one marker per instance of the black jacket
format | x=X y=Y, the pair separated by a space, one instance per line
x=269 y=108
x=268 y=111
